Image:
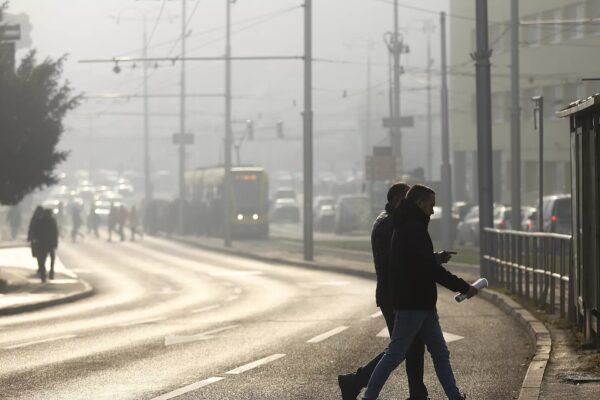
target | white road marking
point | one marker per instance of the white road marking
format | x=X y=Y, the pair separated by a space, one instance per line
x=143 y=321
x=237 y=290
x=62 y=281
x=208 y=308
x=448 y=337
x=174 y=339
x=384 y=333
x=377 y=314
x=255 y=364
x=232 y=298
x=328 y=334
x=235 y=273
x=54 y=339
x=189 y=388
x=332 y=283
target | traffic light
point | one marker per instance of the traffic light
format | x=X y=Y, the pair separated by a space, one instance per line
x=279 y=130
x=250 y=129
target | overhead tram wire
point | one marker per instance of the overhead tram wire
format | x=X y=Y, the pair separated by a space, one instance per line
x=162 y=8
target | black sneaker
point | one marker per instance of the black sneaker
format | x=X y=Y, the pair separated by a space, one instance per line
x=348 y=387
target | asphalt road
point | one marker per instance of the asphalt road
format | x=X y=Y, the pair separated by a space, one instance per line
x=171 y=320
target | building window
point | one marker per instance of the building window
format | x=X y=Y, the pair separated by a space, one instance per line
x=593 y=11
x=574 y=12
x=532 y=33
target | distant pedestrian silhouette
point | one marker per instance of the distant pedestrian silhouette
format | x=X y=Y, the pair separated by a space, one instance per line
x=134 y=224
x=93 y=221
x=45 y=235
x=122 y=220
x=112 y=221
x=76 y=222
x=14 y=220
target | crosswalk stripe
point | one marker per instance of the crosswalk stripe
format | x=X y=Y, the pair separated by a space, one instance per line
x=189 y=388
x=255 y=364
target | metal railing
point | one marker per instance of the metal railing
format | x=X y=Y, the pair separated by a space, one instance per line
x=533 y=265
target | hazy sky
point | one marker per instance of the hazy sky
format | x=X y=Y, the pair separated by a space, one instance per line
x=266 y=91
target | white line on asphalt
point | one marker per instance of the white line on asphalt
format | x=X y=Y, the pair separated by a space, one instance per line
x=208 y=308
x=332 y=283
x=174 y=339
x=384 y=333
x=143 y=321
x=377 y=314
x=235 y=273
x=255 y=364
x=54 y=339
x=237 y=290
x=189 y=388
x=448 y=337
x=232 y=298
x=327 y=335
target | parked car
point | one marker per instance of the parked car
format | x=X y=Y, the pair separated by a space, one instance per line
x=435 y=224
x=352 y=213
x=324 y=213
x=285 y=210
x=556 y=215
x=468 y=228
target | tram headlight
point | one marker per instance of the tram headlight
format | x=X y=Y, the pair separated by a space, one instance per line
x=240 y=217
x=255 y=217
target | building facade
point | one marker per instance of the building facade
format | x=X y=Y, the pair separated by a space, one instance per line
x=554 y=58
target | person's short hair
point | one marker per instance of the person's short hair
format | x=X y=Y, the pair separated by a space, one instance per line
x=419 y=193
x=397 y=190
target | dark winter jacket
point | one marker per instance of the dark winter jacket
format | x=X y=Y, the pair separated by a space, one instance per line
x=414 y=270
x=45 y=233
x=381 y=238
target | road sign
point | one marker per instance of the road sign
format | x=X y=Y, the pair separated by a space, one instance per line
x=402 y=122
x=10 y=33
x=380 y=168
x=188 y=138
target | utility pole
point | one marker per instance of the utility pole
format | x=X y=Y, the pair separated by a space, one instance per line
x=446 y=173
x=308 y=134
x=182 y=128
x=515 y=119
x=538 y=120
x=228 y=134
x=147 y=187
x=397 y=44
x=429 y=28
x=484 y=127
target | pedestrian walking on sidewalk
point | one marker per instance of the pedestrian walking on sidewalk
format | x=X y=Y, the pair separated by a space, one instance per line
x=14 y=220
x=415 y=270
x=122 y=220
x=93 y=221
x=381 y=237
x=112 y=221
x=37 y=214
x=76 y=222
x=134 y=224
x=45 y=234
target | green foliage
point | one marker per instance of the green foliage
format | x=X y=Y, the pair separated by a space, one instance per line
x=33 y=104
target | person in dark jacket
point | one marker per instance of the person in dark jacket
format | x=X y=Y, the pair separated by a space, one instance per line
x=45 y=234
x=381 y=237
x=415 y=270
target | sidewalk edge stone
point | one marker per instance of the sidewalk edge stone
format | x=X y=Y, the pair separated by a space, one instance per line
x=87 y=291
x=540 y=336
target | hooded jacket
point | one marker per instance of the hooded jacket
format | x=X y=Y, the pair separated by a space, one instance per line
x=414 y=271
x=381 y=238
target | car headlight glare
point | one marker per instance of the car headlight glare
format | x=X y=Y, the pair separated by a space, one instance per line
x=240 y=217
x=255 y=217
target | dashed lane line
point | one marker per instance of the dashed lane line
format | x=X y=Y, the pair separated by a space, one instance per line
x=327 y=335
x=237 y=290
x=376 y=315
x=205 y=309
x=232 y=298
x=189 y=388
x=54 y=339
x=448 y=337
x=255 y=364
x=143 y=321
x=175 y=339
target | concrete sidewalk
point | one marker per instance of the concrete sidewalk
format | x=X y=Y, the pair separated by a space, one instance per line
x=553 y=369
x=21 y=288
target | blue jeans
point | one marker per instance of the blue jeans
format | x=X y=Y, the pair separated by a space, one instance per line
x=414 y=362
x=408 y=325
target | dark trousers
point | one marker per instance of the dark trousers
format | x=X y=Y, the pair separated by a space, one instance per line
x=41 y=259
x=414 y=362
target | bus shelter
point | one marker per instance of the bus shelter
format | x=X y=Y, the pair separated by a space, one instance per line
x=584 y=127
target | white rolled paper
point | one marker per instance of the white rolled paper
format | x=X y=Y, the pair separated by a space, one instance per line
x=478 y=284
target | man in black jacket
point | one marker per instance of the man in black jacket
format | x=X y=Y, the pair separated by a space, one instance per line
x=381 y=237
x=415 y=270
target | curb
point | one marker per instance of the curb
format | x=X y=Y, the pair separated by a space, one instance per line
x=67 y=298
x=538 y=333
x=540 y=336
